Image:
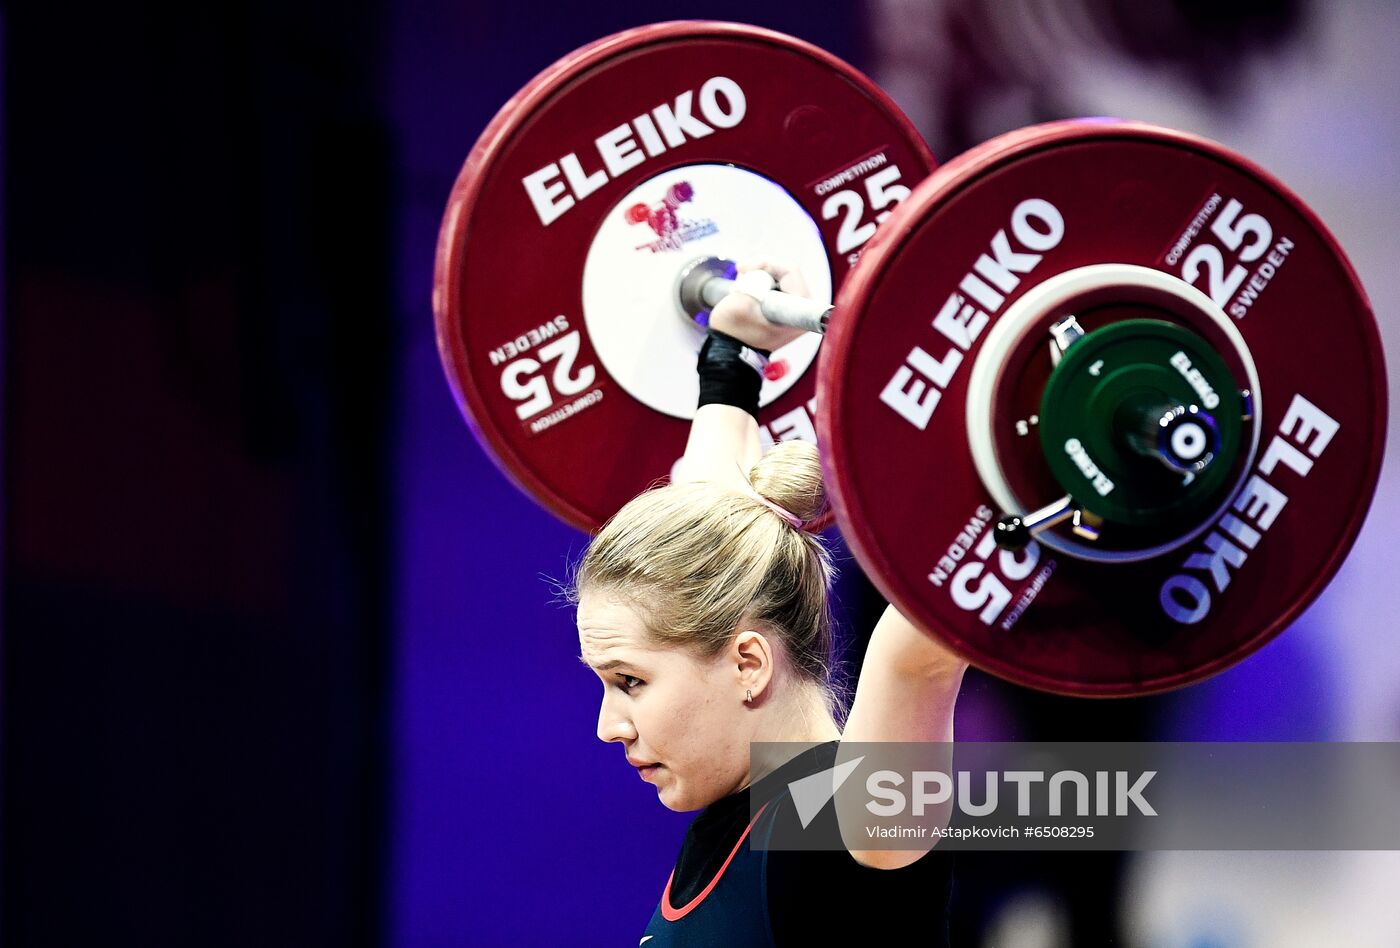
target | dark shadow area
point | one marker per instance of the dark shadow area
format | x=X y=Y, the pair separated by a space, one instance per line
x=198 y=392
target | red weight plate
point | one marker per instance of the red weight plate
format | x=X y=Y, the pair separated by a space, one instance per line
x=907 y=491
x=555 y=306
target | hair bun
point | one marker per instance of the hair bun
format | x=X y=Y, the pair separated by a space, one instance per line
x=790 y=475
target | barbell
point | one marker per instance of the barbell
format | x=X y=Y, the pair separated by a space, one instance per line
x=1100 y=404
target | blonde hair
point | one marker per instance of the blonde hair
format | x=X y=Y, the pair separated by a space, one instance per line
x=697 y=559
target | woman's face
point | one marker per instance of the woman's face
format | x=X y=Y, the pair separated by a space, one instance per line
x=665 y=706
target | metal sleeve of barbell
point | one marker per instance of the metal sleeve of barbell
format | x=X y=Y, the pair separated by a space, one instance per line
x=785 y=309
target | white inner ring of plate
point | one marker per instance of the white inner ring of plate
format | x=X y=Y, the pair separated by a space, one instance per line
x=1028 y=312
x=644 y=339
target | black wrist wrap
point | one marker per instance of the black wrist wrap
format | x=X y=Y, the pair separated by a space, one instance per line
x=725 y=378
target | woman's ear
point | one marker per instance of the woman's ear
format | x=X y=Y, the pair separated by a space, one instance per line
x=753 y=656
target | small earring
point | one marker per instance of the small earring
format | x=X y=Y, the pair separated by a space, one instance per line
x=748 y=694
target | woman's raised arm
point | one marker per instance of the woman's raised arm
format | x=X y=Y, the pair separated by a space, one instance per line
x=908 y=686
x=724 y=443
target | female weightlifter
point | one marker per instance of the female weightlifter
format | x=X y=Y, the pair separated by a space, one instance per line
x=702 y=606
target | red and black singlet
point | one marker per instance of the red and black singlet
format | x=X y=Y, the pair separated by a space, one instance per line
x=727 y=889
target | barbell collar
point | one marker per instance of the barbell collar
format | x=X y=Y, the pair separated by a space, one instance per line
x=1184 y=438
x=1014 y=532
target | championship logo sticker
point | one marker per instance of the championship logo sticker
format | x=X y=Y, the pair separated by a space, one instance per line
x=672 y=231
